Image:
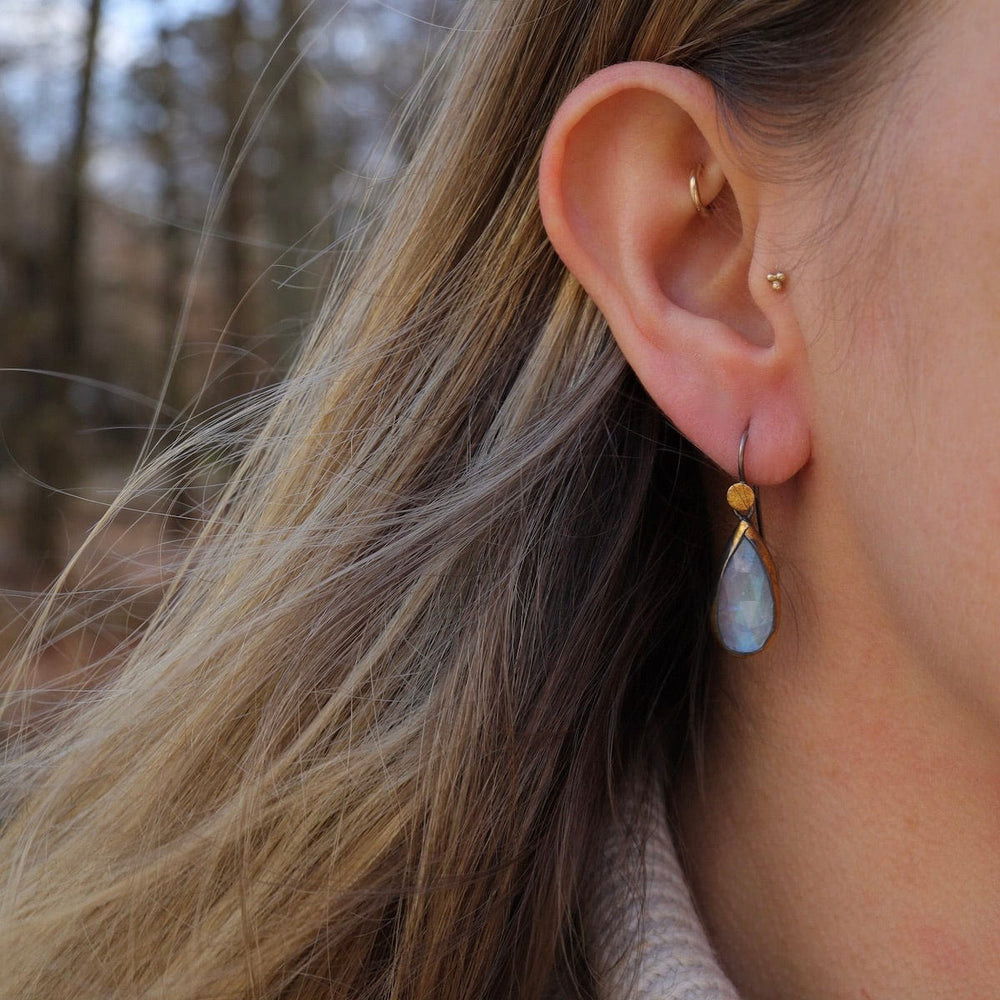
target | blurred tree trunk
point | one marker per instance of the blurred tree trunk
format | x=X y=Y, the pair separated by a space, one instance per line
x=240 y=266
x=51 y=458
x=164 y=145
x=296 y=190
x=70 y=320
x=170 y=209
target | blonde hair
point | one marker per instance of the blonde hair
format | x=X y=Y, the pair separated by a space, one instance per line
x=454 y=591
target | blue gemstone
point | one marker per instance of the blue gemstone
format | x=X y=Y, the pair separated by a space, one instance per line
x=745 y=602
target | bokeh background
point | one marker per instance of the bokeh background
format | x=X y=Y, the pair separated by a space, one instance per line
x=177 y=180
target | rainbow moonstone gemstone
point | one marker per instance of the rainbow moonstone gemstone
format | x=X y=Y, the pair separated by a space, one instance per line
x=744 y=605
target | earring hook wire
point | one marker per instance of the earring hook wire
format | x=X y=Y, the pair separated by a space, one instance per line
x=756 y=493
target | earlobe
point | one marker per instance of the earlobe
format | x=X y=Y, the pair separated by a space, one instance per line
x=683 y=292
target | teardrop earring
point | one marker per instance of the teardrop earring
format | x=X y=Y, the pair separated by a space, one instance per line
x=747 y=603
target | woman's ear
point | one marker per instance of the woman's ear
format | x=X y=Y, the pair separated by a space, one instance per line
x=684 y=292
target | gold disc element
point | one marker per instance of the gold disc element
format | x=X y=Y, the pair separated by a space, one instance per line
x=741 y=498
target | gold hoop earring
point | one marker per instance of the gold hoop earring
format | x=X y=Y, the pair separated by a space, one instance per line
x=747 y=603
x=699 y=206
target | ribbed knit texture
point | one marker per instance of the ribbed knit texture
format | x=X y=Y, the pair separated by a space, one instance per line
x=659 y=951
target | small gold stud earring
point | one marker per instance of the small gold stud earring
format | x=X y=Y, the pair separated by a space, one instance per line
x=777 y=281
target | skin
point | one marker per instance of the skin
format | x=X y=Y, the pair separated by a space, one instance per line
x=843 y=836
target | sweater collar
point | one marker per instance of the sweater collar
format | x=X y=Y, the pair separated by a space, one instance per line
x=643 y=921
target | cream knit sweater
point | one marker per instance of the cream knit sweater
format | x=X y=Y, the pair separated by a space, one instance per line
x=668 y=956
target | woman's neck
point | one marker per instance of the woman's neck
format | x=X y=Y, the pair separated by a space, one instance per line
x=843 y=837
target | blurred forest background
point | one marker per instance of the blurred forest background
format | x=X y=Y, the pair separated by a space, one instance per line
x=176 y=181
